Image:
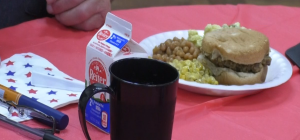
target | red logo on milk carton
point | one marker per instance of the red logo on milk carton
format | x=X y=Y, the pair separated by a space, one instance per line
x=97 y=73
x=103 y=34
x=126 y=50
x=104 y=119
x=102 y=97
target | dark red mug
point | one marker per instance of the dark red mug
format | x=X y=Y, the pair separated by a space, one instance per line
x=142 y=99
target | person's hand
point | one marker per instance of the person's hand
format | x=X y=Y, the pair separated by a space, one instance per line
x=80 y=14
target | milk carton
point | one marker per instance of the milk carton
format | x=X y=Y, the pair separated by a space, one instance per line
x=111 y=43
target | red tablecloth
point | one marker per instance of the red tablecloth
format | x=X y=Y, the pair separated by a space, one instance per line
x=271 y=114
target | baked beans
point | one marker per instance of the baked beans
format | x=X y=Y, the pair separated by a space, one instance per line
x=180 y=49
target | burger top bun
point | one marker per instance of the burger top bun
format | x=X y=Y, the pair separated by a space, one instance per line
x=239 y=45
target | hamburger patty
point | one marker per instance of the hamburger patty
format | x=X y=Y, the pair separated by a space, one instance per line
x=254 y=68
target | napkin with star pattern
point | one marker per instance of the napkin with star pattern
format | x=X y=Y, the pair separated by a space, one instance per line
x=35 y=77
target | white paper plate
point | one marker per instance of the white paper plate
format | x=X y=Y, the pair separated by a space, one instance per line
x=279 y=71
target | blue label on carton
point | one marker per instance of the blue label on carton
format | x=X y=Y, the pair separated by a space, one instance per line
x=98 y=114
x=117 y=41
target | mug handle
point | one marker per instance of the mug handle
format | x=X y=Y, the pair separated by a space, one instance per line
x=88 y=93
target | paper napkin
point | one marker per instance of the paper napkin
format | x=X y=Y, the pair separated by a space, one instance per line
x=35 y=77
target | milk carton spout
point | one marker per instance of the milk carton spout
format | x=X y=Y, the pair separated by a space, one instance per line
x=118 y=24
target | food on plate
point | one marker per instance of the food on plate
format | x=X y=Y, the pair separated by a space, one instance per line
x=183 y=54
x=236 y=56
x=195 y=38
x=193 y=70
x=212 y=27
x=227 y=54
x=180 y=49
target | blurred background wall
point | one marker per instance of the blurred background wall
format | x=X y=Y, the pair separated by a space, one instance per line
x=128 y=4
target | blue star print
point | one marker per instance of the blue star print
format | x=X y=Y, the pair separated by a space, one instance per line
x=50 y=74
x=10 y=73
x=52 y=92
x=27 y=65
x=13 y=88
x=34 y=98
x=29 y=84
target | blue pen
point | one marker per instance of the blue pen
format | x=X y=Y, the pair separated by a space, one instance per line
x=62 y=120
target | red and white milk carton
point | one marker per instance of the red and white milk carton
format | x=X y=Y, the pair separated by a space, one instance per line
x=111 y=43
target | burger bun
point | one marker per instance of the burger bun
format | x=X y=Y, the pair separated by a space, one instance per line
x=226 y=76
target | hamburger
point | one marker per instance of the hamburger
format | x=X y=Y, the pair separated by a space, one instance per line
x=236 y=56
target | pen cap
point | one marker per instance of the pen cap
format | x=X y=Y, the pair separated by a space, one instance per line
x=62 y=120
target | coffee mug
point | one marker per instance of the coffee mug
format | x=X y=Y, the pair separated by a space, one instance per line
x=142 y=99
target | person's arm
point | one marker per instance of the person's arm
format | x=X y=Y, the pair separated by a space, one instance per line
x=80 y=14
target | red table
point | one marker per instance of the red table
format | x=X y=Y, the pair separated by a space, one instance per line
x=272 y=114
